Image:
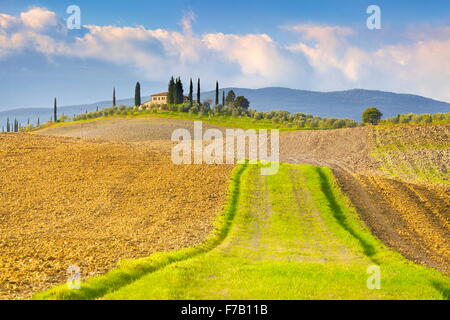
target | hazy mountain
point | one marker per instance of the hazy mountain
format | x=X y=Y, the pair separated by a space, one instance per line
x=338 y=104
x=44 y=114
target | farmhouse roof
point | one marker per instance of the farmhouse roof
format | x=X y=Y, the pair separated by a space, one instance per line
x=165 y=94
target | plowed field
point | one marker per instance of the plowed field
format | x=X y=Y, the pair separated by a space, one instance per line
x=88 y=203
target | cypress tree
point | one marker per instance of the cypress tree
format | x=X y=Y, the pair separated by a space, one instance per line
x=28 y=123
x=198 y=92
x=171 y=92
x=178 y=95
x=176 y=88
x=137 y=94
x=8 y=126
x=38 y=122
x=114 y=97
x=191 y=94
x=55 y=111
x=217 y=93
x=180 y=92
x=223 y=98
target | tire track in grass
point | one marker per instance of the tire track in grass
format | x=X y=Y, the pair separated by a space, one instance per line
x=326 y=242
x=369 y=249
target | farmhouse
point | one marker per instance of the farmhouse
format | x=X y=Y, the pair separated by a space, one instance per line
x=160 y=98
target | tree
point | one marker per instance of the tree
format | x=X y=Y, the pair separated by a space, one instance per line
x=137 y=94
x=171 y=92
x=223 y=98
x=38 y=122
x=241 y=103
x=176 y=92
x=191 y=94
x=8 y=126
x=231 y=96
x=114 y=97
x=372 y=115
x=55 y=107
x=179 y=91
x=217 y=93
x=198 y=91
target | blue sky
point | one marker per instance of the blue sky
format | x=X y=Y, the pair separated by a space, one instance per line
x=314 y=45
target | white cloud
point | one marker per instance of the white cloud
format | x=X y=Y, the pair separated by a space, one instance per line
x=330 y=49
x=323 y=57
x=39 y=18
x=421 y=66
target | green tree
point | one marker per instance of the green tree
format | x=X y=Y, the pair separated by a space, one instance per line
x=223 y=98
x=137 y=94
x=231 y=96
x=217 y=93
x=241 y=103
x=198 y=92
x=114 y=97
x=191 y=94
x=372 y=115
x=171 y=92
x=8 y=125
x=55 y=107
x=179 y=94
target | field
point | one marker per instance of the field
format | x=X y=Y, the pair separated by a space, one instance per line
x=408 y=212
x=342 y=201
x=294 y=236
x=90 y=203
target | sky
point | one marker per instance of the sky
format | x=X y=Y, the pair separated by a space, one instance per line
x=310 y=45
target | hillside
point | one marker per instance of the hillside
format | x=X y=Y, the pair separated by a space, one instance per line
x=338 y=104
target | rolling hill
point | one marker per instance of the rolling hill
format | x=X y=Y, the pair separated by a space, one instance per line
x=338 y=104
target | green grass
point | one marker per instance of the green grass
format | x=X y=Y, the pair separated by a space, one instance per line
x=293 y=235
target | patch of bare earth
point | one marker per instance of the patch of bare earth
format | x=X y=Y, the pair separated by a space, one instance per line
x=125 y=129
x=409 y=212
x=90 y=203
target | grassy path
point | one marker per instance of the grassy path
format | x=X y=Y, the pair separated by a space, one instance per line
x=294 y=236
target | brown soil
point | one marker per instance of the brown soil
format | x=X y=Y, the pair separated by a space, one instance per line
x=90 y=203
x=125 y=129
x=411 y=215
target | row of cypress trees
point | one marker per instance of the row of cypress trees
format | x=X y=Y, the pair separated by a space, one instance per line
x=176 y=92
x=12 y=127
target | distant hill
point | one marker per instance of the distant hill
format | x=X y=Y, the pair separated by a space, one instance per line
x=337 y=104
x=44 y=114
